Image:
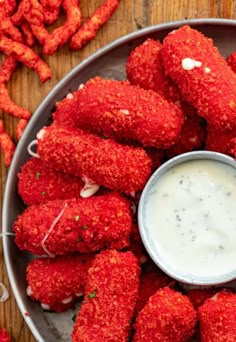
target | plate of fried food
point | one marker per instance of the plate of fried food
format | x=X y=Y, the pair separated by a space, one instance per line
x=76 y=263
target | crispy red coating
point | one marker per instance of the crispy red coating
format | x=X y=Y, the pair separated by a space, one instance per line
x=110 y=296
x=8 y=106
x=10 y=6
x=192 y=137
x=61 y=34
x=144 y=67
x=29 y=38
x=26 y=56
x=117 y=109
x=89 y=29
x=84 y=225
x=20 y=127
x=150 y=283
x=7 y=145
x=6 y=25
x=9 y=65
x=104 y=161
x=210 y=85
x=58 y=282
x=33 y=12
x=218 y=140
x=4 y=336
x=167 y=317
x=231 y=60
x=232 y=150
x=217 y=317
x=37 y=183
x=199 y=296
x=51 y=10
x=136 y=245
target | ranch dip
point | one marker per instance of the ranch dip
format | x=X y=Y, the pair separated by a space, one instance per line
x=190 y=217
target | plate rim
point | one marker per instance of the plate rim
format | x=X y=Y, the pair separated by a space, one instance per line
x=35 y=115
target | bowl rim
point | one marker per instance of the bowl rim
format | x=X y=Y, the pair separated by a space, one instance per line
x=168 y=267
x=35 y=116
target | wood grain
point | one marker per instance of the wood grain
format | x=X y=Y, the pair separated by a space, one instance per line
x=27 y=91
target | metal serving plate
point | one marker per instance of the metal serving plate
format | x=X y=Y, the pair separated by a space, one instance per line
x=109 y=62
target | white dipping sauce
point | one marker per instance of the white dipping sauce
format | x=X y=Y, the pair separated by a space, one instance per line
x=191 y=217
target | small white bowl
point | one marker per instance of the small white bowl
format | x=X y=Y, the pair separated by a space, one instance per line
x=187 y=218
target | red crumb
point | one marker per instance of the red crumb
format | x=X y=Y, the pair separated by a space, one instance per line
x=192 y=137
x=217 y=317
x=150 y=283
x=119 y=110
x=37 y=183
x=210 y=85
x=231 y=60
x=4 y=336
x=199 y=296
x=61 y=34
x=219 y=140
x=103 y=161
x=167 y=317
x=88 y=30
x=7 y=145
x=83 y=225
x=58 y=282
x=26 y=56
x=110 y=295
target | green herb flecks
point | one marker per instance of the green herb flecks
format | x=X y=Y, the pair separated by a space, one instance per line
x=38 y=174
x=92 y=294
x=85 y=227
x=77 y=218
x=43 y=193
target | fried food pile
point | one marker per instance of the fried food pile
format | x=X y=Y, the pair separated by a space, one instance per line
x=82 y=188
x=25 y=24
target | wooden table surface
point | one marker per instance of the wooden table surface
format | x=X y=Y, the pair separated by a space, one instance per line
x=27 y=91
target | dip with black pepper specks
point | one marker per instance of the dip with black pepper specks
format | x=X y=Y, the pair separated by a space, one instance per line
x=191 y=217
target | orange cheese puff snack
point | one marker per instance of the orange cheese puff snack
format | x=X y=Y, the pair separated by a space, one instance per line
x=110 y=296
x=8 y=67
x=192 y=137
x=33 y=13
x=89 y=29
x=8 y=106
x=217 y=317
x=231 y=60
x=202 y=74
x=61 y=34
x=7 y=145
x=218 y=140
x=84 y=225
x=144 y=67
x=10 y=6
x=57 y=283
x=37 y=183
x=199 y=296
x=26 y=56
x=6 y=25
x=167 y=317
x=103 y=161
x=51 y=9
x=29 y=38
x=119 y=110
x=150 y=283
x=20 y=127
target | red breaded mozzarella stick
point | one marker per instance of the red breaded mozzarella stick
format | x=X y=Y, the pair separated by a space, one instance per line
x=203 y=76
x=110 y=296
x=57 y=283
x=37 y=183
x=103 y=161
x=231 y=60
x=167 y=317
x=119 y=110
x=217 y=317
x=84 y=225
